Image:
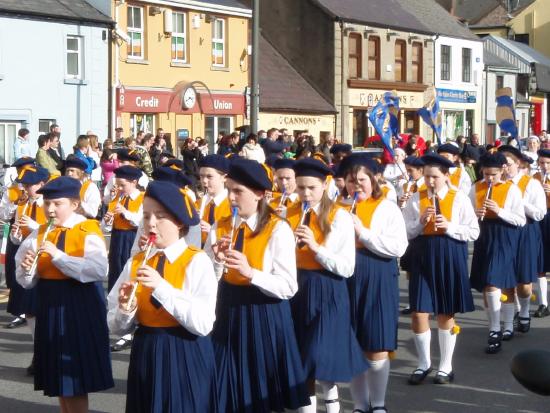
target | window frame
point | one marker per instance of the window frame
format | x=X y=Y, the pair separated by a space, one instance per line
x=358 y=55
x=499 y=79
x=179 y=35
x=445 y=67
x=220 y=40
x=79 y=58
x=133 y=30
x=468 y=78
x=403 y=61
x=420 y=63
x=375 y=58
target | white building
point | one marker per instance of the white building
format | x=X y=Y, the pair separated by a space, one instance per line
x=54 y=65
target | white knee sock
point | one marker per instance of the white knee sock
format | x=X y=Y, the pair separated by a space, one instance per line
x=312 y=408
x=524 y=304
x=543 y=291
x=447 y=343
x=422 y=343
x=517 y=303
x=508 y=311
x=127 y=336
x=377 y=381
x=330 y=393
x=31 y=322
x=493 y=309
x=360 y=392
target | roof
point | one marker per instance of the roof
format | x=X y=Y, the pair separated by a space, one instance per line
x=522 y=50
x=78 y=10
x=231 y=7
x=492 y=60
x=472 y=11
x=283 y=89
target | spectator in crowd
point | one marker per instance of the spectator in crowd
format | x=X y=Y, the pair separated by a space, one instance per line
x=470 y=158
x=430 y=147
x=304 y=149
x=326 y=144
x=461 y=142
x=411 y=148
x=22 y=146
x=339 y=151
x=167 y=144
x=95 y=154
x=43 y=158
x=533 y=145
x=262 y=136
x=395 y=171
x=158 y=147
x=191 y=155
x=252 y=150
x=82 y=151
x=203 y=146
x=225 y=145
x=474 y=142
x=55 y=128
x=139 y=137
x=55 y=150
x=119 y=136
x=144 y=163
x=271 y=146
x=108 y=162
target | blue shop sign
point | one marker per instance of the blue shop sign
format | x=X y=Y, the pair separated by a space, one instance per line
x=457 y=96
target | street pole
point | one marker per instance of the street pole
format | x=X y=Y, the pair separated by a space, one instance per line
x=254 y=89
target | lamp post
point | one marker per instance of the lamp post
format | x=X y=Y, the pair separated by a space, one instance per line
x=254 y=88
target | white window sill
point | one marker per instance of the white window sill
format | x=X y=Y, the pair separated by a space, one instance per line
x=219 y=68
x=69 y=81
x=179 y=64
x=137 y=61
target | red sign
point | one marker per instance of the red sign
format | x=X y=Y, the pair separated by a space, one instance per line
x=153 y=101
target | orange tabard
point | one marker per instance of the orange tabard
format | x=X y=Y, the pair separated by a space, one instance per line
x=538 y=177
x=499 y=193
x=147 y=314
x=75 y=238
x=39 y=215
x=522 y=183
x=84 y=188
x=276 y=201
x=446 y=209
x=455 y=177
x=133 y=206
x=220 y=211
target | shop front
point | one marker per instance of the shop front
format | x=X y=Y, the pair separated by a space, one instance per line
x=460 y=111
x=315 y=125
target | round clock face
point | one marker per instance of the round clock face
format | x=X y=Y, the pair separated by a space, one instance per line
x=189 y=98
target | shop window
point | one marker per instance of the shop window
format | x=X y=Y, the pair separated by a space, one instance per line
x=8 y=134
x=374 y=57
x=360 y=127
x=135 y=32
x=215 y=125
x=417 y=63
x=445 y=62
x=179 y=36
x=499 y=82
x=400 y=61
x=73 y=49
x=142 y=122
x=218 y=42
x=354 y=55
x=44 y=125
x=453 y=124
x=466 y=65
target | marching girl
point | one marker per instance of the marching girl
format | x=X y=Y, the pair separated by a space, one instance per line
x=214 y=204
x=543 y=176
x=529 y=251
x=178 y=165
x=325 y=257
x=125 y=158
x=444 y=221
x=257 y=356
x=388 y=190
x=499 y=206
x=374 y=290
x=285 y=179
x=172 y=367
x=71 y=341
x=458 y=176
x=90 y=198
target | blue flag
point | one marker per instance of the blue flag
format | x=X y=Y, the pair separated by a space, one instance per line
x=384 y=119
x=506 y=115
x=431 y=114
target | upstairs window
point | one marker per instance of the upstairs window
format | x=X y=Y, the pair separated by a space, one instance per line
x=179 y=47
x=400 y=61
x=135 y=32
x=445 y=62
x=354 y=55
x=218 y=42
x=374 y=57
x=74 y=57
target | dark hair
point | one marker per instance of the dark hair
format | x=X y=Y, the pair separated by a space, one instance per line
x=201 y=142
x=23 y=132
x=146 y=138
x=354 y=170
x=444 y=170
x=43 y=139
x=252 y=136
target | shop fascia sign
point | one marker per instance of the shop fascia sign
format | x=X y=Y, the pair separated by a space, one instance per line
x=456 y=96
x=370 y=98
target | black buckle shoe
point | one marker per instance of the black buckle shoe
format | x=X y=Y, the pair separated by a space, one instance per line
x=418 y=376
x=541 y=312
x=524 y=324
x=494 y=342
x=507 y=335
x=16 y=322
x=444 y=378
x=121 y=344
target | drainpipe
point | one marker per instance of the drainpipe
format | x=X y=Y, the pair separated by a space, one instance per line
x=116 y=80
x=342 y=94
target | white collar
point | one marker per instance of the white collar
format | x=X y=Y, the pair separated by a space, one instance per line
x=73 y=220
x=516 y=178
x=134 y=194
x=173 y=251
x=218 y=199
x=251 y=222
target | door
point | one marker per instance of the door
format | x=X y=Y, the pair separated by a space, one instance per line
x=8 y=133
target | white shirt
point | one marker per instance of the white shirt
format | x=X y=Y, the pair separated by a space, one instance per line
x=205 y=200
x=392 y=194
x=96 y=172
x=463 y=225
x=91 y=201
x=143 y=182
x=93 y=266
x=534 y=199
x=393 y=171
x=534 y=167
x=134 y=218
x=513 y=211
x=7 y=208
x=387 y=236
x=400 y=190
x=33 y=225
x=193 y=306
x=465 y=182
x=278 y=276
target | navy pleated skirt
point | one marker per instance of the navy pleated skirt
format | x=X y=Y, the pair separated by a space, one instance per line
x=171 y=371
x=495 y=253
x=374 y=299
x=9 y=267
x=120 y=249
x=530 y=259
x=408 y=259
x=545 y=232
x=257 y=357
x=21 y=300
x=71 y=344
x=439 y=283
x=322 y=320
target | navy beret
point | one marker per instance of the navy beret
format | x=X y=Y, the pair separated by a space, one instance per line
x=126 y=155
x=414 y=161
x=362 y=159
x=166 y=155
x=169 y=174
x=174 y=164
x=493 y=160
x=526 y=158
x=74 y=162
x=32 y=176
x=217 y=162
x=271 y=159
x=435 y=159
x=250 y=174
x=510 y=149
x=545 y=153
x=449 y=148
x=283 y=163
x=471 y=153
x=340 y=147
x=174 y=201
x=23 y=161
x=128 y=172
x=312 y=167
x=62 y=187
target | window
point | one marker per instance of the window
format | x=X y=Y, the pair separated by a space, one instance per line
x=445 y=62
x=179 y=49
x=44 y=125
x=135 y=32
x=374 y=57
x=499 y=82
x=8 y=134
x=142 y=122
x=400 y=61
x=466 y=65
x=218 y=42
x=215 y=125
x=354 y=55
x=74 y=57
x=522 y=38
x=417 y=63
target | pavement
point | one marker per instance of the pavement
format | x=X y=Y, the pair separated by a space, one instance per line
x=483 y=383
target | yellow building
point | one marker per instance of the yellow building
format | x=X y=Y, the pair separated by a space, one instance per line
x=532 y=26
x=181 y=66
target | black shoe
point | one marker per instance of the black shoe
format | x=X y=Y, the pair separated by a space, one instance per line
x=507 y=335
x=494 y=342
x=516 y=321
x=17 y=322
x=444 y=378
x=418 y=376
x=30 y=369
x=406 y=311
x=541 y=312
x=524 y=327
x=121 y=345
x=378 y=409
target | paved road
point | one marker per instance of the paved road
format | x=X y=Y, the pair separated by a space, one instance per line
x=483 y=383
